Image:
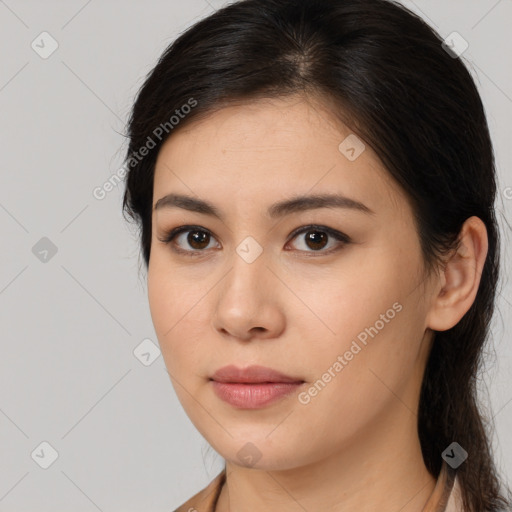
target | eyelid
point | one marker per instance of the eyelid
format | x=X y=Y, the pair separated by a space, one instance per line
x=170 y=235
x=338 y=235
x=342 y=238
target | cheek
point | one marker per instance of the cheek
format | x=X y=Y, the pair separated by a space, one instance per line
x=175 y=308
x=349 y=299
x=372 y=319
x=352 y=383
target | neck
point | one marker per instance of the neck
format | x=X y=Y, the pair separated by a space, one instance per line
x=382 y=468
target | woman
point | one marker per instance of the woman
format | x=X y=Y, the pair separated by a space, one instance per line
x=314 y=182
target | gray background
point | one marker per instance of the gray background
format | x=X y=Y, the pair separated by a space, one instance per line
x=71 y=321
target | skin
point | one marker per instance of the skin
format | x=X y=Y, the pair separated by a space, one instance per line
x=296 y=308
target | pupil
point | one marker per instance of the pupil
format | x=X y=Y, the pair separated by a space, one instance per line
x=316 y=237
x=196 y=238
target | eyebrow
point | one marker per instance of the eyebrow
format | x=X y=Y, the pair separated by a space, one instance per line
x=280 y=209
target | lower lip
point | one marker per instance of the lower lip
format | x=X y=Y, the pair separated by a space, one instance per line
x=253 y=396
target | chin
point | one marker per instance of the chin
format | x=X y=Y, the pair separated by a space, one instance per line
x=256 y=449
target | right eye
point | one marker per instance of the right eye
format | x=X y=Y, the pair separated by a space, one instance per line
x=195 y=236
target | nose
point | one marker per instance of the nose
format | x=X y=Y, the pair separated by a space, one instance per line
x=248 y=301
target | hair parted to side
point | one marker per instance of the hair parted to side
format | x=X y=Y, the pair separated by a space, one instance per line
x=385 y=74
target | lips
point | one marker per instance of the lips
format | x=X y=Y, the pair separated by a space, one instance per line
x=251 y=375
x=253 y=387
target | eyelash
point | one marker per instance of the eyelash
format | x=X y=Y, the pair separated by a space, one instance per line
x=337 y=235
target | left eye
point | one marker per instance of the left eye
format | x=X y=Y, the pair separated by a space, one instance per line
x=316 y=238
x=199 y=239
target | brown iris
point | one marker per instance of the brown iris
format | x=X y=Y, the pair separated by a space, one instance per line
x=318 y=239
x=197 y=238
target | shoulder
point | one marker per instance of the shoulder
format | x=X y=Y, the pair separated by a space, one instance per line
x=205 y=499
x=455 y=501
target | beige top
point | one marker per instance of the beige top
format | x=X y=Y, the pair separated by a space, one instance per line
x=446 y=496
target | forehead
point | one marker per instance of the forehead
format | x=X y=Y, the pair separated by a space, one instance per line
x=266 y=149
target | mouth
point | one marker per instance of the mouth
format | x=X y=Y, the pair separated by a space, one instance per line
x=252 y=387
x=252 y=375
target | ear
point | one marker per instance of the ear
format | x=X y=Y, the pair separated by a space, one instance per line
x=458 y=282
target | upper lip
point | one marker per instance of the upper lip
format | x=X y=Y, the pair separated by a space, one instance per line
x=251 y=374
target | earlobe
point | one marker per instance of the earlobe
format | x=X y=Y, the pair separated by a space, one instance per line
x=460 y=279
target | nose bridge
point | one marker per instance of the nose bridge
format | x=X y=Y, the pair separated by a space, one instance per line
x=249 y=250
x=247 y=286
x=246 y=302
x=249 y=266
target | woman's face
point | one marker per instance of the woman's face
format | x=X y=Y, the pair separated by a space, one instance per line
x=346 y=318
